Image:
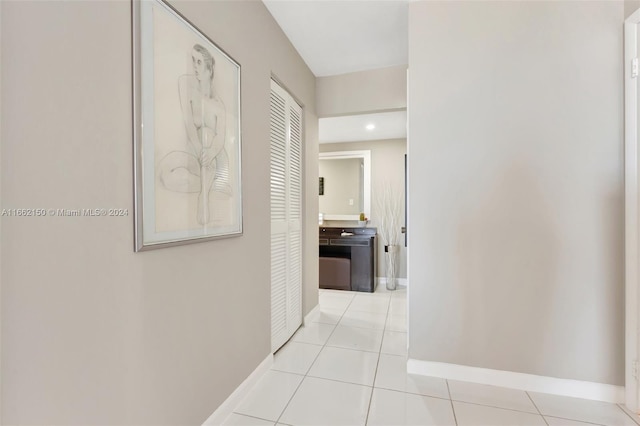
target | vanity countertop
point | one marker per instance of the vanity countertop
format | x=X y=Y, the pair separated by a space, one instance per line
x=326 y=231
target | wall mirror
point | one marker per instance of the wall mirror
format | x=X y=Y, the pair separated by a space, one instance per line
x=346 y=184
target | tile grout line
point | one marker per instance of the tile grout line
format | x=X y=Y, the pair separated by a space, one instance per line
x=247 y=415
x=349 y=348
x=453 y=410
x=314 y=360
x=367 y=328
x=335 y=326
x=536 y=407
x=502 y=408
x=428 y=396
x=289 y=401
x=628 y=415
x=574 y=420
x=471 y=403
x=340 y=381
x=416 y=394
x=375 y=374
x=325 y=345
x=524 y=412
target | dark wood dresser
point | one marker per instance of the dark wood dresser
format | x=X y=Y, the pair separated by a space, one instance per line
x=348 y=261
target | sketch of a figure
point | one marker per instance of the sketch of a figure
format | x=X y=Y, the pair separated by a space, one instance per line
x=204 y=166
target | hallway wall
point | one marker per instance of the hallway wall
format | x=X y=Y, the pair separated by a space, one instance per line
x=382 y=89
x=630 y=6
x=516 y=201
x=93 y=333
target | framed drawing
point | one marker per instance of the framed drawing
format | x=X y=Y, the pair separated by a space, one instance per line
x=187 y=144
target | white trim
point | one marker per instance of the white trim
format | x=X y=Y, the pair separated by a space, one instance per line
x=631 y=211
x=286 y=228
x=402 y=282
x=522 y=381
x=0 y=196
x=226 y=408
x=407 y=206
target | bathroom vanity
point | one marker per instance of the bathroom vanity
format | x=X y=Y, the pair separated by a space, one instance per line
x=348 y=258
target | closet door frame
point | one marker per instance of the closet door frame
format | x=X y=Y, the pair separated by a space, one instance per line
x=286 y=187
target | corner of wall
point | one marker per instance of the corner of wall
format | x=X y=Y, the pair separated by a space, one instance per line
x=630 y=6
x=1 y=422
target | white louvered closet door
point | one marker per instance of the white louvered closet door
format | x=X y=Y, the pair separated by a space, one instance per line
x=286 y=216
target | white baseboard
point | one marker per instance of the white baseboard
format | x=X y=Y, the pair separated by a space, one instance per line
x=226 y=408
x=402 y=282
x=521 y=381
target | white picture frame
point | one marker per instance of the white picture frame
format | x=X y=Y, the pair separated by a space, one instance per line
x=187 y=132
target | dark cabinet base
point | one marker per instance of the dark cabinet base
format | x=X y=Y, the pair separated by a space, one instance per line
x=341 y=253
x=335 y=273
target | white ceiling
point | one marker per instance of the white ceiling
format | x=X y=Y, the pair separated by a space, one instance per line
x=342 y=36
x=353 y=128
x=338 y=37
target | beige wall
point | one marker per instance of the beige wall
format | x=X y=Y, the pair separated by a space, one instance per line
x=93 y=333
x=0 y=219
x=343 y=185
x=516 y=187
x=382 y=89
x=630 y=6
x=387 y=165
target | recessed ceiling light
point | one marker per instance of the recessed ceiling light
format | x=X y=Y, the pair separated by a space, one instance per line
x=370 y=126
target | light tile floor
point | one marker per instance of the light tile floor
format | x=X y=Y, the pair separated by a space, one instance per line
x=347 y=366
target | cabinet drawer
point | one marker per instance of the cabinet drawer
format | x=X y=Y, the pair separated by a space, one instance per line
x=349 y=242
